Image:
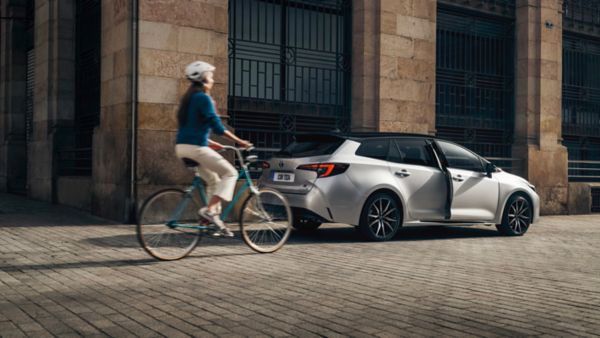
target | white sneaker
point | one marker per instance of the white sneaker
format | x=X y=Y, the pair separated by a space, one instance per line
x=216 y=220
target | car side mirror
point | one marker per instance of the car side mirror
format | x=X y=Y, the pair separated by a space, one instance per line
x=489 y=169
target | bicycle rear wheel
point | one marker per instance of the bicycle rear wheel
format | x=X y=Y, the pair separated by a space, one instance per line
x=266 y=221
x=155 y=228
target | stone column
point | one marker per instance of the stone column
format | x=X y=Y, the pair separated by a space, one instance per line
x=394 y=65
x=54 y=99
x=538 y=101
x=111 y=161
x=174 y=33
x=13 y=150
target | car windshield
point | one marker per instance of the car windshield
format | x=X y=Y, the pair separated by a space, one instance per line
x=311 y=145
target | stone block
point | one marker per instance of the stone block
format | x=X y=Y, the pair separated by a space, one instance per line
x=158 y=35
x=388 y=23
x=110 y=201
x=190 y=13
x=154 y=116
x=425 y=50
x=155 y=89
x=580 y=198
x=418 y=70
x=553 y=200
x=392 y=45
x=415 y=28
x=164 y=63
x=115 y=117
x=107 y=68
x=157 y=163
x=425 y=9
x=196 y=41
x=401 y=7
x=111 y=157
x=403 y=127
x=40 y=189
x=75 y=192
x=122 y=63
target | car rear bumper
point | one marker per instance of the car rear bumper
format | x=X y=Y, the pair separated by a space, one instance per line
x=313 y=201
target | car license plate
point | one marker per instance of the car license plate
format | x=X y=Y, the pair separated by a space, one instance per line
x=283 y=177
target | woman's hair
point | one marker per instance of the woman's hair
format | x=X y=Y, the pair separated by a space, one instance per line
x=184 y=104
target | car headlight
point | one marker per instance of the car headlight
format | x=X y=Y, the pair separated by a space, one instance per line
x=531 y=186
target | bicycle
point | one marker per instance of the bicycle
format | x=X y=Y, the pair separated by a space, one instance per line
x=169 y=226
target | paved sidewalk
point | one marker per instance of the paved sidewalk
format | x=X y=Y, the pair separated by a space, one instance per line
x=64 y=273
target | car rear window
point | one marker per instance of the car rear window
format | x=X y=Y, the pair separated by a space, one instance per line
x=377 y=148
x=311 y=145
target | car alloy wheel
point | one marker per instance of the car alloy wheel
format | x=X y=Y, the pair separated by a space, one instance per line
x=381 y=217
x=519 y=215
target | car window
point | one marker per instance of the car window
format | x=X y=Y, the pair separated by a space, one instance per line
x=305 y=146
x=374 y=149
x=459 y=157
x=413 y=151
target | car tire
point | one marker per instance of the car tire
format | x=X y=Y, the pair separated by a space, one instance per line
x=381 y=217
x=517 y=216
x=305 y=225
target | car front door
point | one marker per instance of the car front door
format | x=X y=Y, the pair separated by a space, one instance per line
x=419 y=178
x=474 y=194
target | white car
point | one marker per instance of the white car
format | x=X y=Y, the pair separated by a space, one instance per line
x=382 y=181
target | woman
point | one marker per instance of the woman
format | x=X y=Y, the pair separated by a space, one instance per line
x=197 y=117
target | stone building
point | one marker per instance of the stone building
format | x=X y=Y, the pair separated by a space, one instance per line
x=89 y=88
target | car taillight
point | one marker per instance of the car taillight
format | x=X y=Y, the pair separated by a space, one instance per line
x=266 y=165
x=325 y=169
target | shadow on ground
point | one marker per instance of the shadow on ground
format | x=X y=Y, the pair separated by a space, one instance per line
x=326 y=235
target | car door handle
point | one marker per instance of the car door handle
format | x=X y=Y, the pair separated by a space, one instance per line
x=402 y=173
x=458 y=178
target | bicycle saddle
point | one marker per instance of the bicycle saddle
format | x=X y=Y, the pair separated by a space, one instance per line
x=190 y=163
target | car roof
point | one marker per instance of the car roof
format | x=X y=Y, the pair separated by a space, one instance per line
x=358 y=136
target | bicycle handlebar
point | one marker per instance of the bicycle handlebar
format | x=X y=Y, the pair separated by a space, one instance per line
x=238 y=151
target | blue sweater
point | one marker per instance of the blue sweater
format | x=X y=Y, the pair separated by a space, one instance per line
x=201 y=118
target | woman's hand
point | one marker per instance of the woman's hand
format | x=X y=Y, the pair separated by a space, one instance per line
x=214 y=145
x=244 y=143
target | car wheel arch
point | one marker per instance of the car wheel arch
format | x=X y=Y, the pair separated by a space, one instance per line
x=391 y=192
x=509 y=196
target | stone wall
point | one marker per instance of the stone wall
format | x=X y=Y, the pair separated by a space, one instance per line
x=54 y=99
x=112 y=147
x=394 y=66
x=13 y=151
x=173 y=33
x=538 y=101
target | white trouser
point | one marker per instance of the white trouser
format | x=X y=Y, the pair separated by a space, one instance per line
x=218 y=174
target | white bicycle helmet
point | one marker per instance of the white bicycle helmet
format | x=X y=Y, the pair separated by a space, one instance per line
x=195 y=70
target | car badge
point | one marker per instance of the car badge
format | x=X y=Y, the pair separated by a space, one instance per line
x=281 y=164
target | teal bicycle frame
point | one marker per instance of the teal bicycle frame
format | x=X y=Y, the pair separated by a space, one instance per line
x=198 y=185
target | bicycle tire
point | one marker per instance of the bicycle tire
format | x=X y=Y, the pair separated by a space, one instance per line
x=152 y=220
x=273 y=223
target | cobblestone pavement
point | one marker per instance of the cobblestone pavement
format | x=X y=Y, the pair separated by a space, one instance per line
x=63 y=273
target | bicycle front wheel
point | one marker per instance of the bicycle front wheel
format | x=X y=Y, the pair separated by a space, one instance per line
x=162 y=222
x=266 y=221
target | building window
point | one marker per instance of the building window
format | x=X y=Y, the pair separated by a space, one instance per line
x=289 y=68
x=475 y=76
x=75 y=156
x=581 y=88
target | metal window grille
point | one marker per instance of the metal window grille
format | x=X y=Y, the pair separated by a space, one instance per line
x=581 y=105
x=29 y=90
x=475 y=77
x=595 y=199
x=76 y=158
x=30 y=69
x=581 y=16
x=289 y=69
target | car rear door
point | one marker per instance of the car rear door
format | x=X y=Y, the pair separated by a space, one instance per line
x=474 y=194
x=419 y=178
x=282 y=172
